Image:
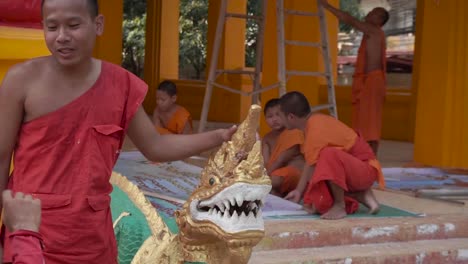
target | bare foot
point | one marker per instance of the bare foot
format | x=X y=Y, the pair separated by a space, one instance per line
x=310 y=208
x=336 y=212
x=368 y=199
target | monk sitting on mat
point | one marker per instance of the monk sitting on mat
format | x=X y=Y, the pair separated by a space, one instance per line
x=368 y=92
x=169 y=117
x=340 y=166
x=281 y=151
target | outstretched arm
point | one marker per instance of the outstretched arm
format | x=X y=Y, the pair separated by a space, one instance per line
x=160 y=148
x=346 y=18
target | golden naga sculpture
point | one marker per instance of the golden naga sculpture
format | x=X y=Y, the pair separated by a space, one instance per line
x=222 y=219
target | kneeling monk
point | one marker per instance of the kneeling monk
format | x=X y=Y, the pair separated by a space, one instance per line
x=342 y=165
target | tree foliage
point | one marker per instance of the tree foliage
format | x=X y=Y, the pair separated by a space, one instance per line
x=134 y=36
x=193 y=28
x=353 y=8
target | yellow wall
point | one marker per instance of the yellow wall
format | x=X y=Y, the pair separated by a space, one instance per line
x=441 y=79
x=109 y=45
x=398 y=120
x=19 y=44
x=297 y=58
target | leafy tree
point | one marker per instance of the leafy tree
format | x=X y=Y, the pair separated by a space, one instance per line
x=353 y=8
x=134 y=36
x=254 y=8
x=193 y=27
x=134 y=44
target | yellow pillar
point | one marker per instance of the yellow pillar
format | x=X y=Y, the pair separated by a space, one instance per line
x=162 y=46
x=226 y=106
x=442 y=83
x=20 y=44
x=109 y=45
x=297 y=58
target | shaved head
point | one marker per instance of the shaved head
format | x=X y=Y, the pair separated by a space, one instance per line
x=384 y=15
x=295 y=103
x=92 y=6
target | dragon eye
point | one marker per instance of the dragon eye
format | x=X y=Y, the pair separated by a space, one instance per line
x=212 y=181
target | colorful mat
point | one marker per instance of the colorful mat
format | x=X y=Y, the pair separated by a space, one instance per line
x=178 y=179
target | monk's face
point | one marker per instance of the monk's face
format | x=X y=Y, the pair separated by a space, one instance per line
x=164 y=101
x=287 y=120
x=70 y=30
x=375 y=16
x=273 y=118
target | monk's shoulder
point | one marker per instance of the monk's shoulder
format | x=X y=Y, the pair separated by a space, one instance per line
x=21 y=76
x=125 y=81
x=123 y=75
x=182 y=111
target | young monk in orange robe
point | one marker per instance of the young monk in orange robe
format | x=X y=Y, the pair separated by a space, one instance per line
x=281 y=152
x=339 y=163
x=168 y=117
x=368 y=92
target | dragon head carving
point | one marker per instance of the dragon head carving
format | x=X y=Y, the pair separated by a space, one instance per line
x=223 y=216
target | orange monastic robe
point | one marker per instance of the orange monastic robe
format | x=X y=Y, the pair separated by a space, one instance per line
x=368 y=94
x=286 y=140
x=340 y=155
x=177 y=122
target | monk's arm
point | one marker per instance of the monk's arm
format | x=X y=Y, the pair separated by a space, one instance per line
x=160 y=148
x=11 y=118
x=284 y=158
x=305 y=177
x=265 y=152
x=349 y=19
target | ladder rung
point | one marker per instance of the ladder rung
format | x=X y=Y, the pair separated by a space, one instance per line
x=244 y=16
x=303 y=43
x=321 y=107
x=305 y=73
x=300 y=13
x=235 y=71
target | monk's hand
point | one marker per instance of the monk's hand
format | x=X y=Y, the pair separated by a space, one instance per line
x=226 y=134
x=293 y=196
x=21 y=212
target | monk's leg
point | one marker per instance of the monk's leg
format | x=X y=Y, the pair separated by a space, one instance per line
x=367 y=198
x=374 y=144
x=338 y=209
x=276 y=183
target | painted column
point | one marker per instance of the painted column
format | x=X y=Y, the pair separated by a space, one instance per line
x=162 y=46
x=441 y=79
x=109 y=45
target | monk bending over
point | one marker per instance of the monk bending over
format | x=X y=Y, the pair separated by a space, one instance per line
x=369 y=83
x=281 y=152
x=169 y=117
x=65 y=117
x=340 y=166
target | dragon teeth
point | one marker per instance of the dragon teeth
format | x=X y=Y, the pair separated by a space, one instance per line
x=227 y=205
x=234 y=217
x=232 y=201
x=210 y=211
x=251 y=217
x=239 y=200
x=220 y=206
